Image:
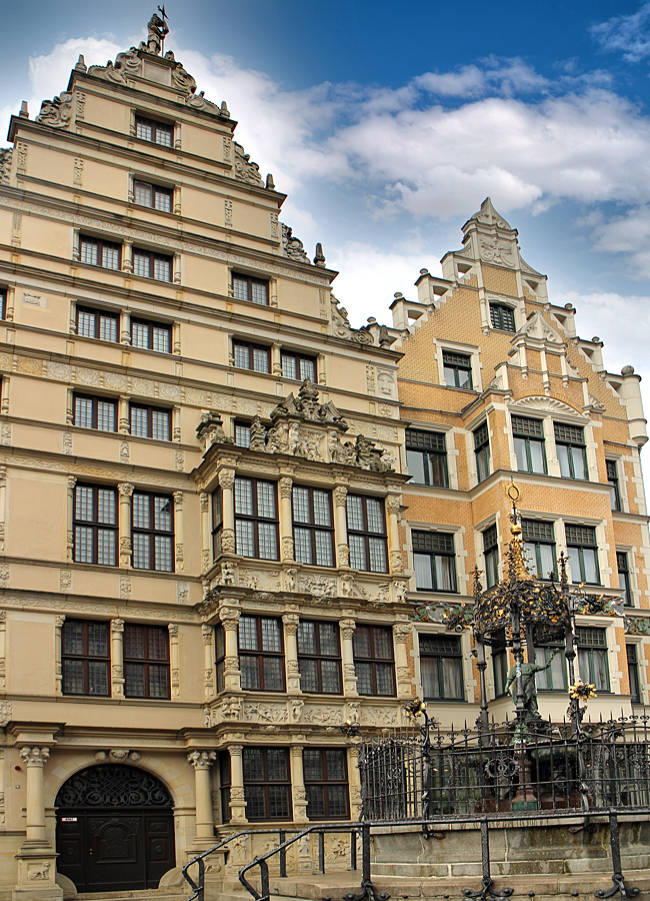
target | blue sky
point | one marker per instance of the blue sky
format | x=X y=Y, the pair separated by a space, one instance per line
x=387 y=124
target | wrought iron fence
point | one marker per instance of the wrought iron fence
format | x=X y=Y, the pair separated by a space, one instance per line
x=497 y=770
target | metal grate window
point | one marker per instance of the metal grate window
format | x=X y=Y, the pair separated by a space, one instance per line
x=502 y=316
x=569 y=434
x=580 y=535
x=527 y=428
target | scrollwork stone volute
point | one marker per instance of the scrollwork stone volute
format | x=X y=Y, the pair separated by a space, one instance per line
x=347 y=627
x=226 y=478
x=340 y=496
x=34 y=756
x=229 y=618
x=178 y=499
x=125 y=489
x=201 y=760
x=117 y=625
x=56 y=113
x=291 y=621
x=286 y=485
x=393 y=504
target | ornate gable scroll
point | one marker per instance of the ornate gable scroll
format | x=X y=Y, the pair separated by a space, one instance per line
x=341 y=327
x=56 y=113
x=245 y=169
x=6 y=154
x=292 y=247
x=537 y=327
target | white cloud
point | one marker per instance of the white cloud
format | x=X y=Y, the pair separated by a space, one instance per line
x=629 y=34
x=493 y=76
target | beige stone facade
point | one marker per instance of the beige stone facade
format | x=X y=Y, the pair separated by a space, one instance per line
x=186 y=415
x=496 y=385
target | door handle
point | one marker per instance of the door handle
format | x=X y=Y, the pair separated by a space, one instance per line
x=90 y=851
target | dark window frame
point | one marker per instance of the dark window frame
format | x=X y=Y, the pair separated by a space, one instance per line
x=633 y=672
x=150 y=411
x=482 y=453
x=449 y=648
x=499 y=654
x=374 y=661
x=98 y=314
x=312 y=527
x=155 y=189
x=502 y=316
x=225 y=779
x=151 y=531
x=491 y=555
x=216 y=515
x=3 y=302
x=573 y=438
x=593 y=640
x=219 y=657
x=365 y=534
x=150 y=325
x=260 y=654
x=256 y=519
x=299 y=359
x=578 y=539
x=623 y=566
x=250 y=280
x=95 y=525
x=265 y=782
x=250 y=347
x=321 y=785
x=100 y=243
x=86 y=658
x=153 y=257
x=431 y=446
x=614 y=484
x=244 y=427
x=455 y=362
x=434 y=545
x=147 y=662
x=529 y=431
x=318 y=657
x=156 y=125
x=532 y=534
x=95 y=400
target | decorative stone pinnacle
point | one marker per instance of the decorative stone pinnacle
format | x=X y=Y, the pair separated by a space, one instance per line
x=319 y=257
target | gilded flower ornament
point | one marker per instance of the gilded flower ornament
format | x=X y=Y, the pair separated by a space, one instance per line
x=582 y=691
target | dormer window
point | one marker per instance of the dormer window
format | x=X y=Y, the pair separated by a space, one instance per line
x=157 y=132
x=502 y=317
x=458 y=369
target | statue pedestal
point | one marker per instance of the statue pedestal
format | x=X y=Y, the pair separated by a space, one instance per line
x=36 y=874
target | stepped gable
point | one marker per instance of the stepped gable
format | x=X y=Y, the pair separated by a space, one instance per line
x=490 y=238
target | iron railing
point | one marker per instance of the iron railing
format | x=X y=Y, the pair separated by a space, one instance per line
x=496 y=770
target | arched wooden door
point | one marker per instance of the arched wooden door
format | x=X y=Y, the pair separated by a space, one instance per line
x=114 y=829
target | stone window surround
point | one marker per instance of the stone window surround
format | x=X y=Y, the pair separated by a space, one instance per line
x=126 y=247
x=518 y=306
x=156 y=183
x=463 y=586
x=123 y=418
x=471 y=350
x=481 y=419
x=467 y=663
x=452 y=452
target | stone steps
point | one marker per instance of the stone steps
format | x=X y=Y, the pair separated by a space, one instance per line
x=152 y=894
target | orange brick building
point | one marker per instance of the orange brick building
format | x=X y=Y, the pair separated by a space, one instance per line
x=497 y=385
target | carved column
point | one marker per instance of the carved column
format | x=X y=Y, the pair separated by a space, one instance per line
x=202 y=762
x=174 y=660
x=117 y=658
x=123 y=424
x=125 y=330
x=341 y=526
x=298 y=785
x=72 y=481
x=402 y=675
x=127 y=256
x=3 y=650
x=229 y=617
x=125 y=490
x=290 y=621
x=286 y=519
x=354 y=781
x=179 y=563
x=237 y=797
x=34 y=759
x=395 y=553
x=226 y=482
x=208 y=660
x=206 y=532
x=58 y=663
x=347 y=627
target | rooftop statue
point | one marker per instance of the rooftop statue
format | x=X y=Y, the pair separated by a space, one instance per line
x=158 y=30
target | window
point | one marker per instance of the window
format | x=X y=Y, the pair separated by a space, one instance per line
x=150 y=422
x=571 y=451
x=267 y=783
x=373 y=661
x=151 y=335
x=224 y=784
x=95 y=413
x=499 y=664
x=251 y=356
x=482 y=452
x=95 y=525
x=633 y=673
x=367 y=533
x=157 y=132
x=242 y=434
x=502 y=316
x=153 y=532
x=426 y=457
x=298 y=366
x=539 y=546
x=612 y=478
x=326 y=783
x=153 y=196
x=97 y=324
x=85 y=658
x=152 y=265
x=592 y=656
x=256 y=519
x=583 y=553
x=551 y=655
x=255 y=290
x=261 y=657
x=319 y=657
x=458 y=369
x=146 y=661
x=217 y=523
x=100 y=253
x=3 y=303
x=528 y=436
x=491 y=556
x=220 y=657
x=624 y=577
x=441 y=668
x=313 y=533
x=433 y=561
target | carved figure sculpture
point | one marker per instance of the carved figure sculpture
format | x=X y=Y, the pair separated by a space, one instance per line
x=528 y=671
x=157 y=31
